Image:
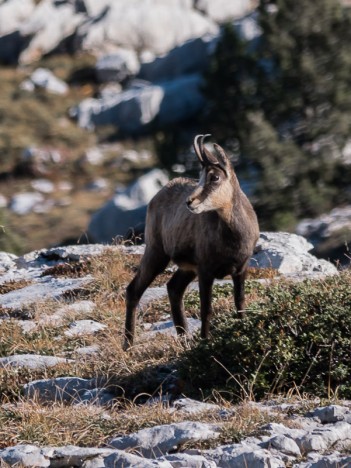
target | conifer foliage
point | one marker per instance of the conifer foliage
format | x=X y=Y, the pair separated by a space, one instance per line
x=283 y=103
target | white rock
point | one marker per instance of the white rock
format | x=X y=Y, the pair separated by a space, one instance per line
x=136 y=108
x=84 y=327
x=98 y=185
x=286 y=445
x=24 y=203
x=61 y=314
x=46 y=288
x=12 y=13
x=143 y=25
x=179 y=460
x=24 y=455
x=47 y=35
x=223 y=10
x=323 y=438
x=167 y=327
x=288 y=253
x=330 y=414
x=190 y=57
x=328 y=461
x=60 y=389
x=118 y=66
x=326 y=224
x=7 y=260
x=159 y=440
x=30 y=455
x=189 y=406
x=32 y=361
x=127 y=209
x=240 y=455
x=43 y=185
x=43 y=78
x=87 y=351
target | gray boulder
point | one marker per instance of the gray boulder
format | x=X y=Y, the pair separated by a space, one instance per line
x=141 y=27
x=32 y=361
x=159 y=440
x=45 y=79
x=30 y=455
x=127 y=209
x=118 y=66
x=222 y=10
x=179 y=460
x=242 y=455
x=46 y=288
x=61 y=389
x=190 y=57
x=24 y=203
x=135 y=109
x=83 y=328
x=50 y=23
x=288 y=253
x=13 y=13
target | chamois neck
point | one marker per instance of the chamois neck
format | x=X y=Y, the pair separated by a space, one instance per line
x=229 y=211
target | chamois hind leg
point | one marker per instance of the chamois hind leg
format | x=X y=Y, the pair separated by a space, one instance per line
x=205 y=286
x=176 y=287
x=153 y=263
x=239 y=289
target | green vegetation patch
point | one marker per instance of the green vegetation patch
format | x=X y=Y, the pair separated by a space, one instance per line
x=295 y=336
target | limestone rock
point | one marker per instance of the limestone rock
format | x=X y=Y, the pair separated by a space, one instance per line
x=223 y=10
x=179 y=460
x=48 y=287
x=45 y=79
x=187 y=58
x=136 y=108
x=127 y=209
x=288 y=253
x=84 y=327
x=141 y=27
x=32 y=361
x=241 y=455
x=159 y=440
x=47 y=35
x=61 y=389
x=24 y=203
x=118 y=66
x=331 y=414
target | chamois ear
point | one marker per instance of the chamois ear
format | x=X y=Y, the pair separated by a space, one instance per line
x=222 y=157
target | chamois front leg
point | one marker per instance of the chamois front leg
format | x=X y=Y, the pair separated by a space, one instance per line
x=176 y=287
x=205 y=286
x=239 y=290
x=151 y=265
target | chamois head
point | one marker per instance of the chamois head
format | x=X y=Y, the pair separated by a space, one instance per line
x=217 y=180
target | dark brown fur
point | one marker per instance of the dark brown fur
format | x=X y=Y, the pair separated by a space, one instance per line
x=208 y=228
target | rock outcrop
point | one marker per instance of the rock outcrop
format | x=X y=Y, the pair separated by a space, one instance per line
x=317 y=438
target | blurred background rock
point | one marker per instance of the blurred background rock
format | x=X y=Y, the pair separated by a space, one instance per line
x=100 y=102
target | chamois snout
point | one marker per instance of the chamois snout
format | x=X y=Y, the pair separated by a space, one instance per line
x=193 y=204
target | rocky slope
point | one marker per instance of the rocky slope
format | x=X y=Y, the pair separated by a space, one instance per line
x=291 y=435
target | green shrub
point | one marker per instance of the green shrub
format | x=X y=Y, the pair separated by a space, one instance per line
x=294 y=336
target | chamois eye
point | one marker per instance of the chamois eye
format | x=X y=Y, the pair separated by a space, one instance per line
x=214 y=178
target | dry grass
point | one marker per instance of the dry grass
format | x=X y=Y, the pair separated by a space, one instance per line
x=59 y=425
x=147 y=370
x=9 y=286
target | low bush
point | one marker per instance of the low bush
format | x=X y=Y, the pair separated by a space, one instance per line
x=295 y=336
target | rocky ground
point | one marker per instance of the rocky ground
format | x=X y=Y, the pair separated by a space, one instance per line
x=51 y=365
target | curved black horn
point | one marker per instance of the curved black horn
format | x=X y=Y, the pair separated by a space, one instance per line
x=198 y=147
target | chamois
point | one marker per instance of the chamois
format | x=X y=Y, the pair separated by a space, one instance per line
x=208 y=228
